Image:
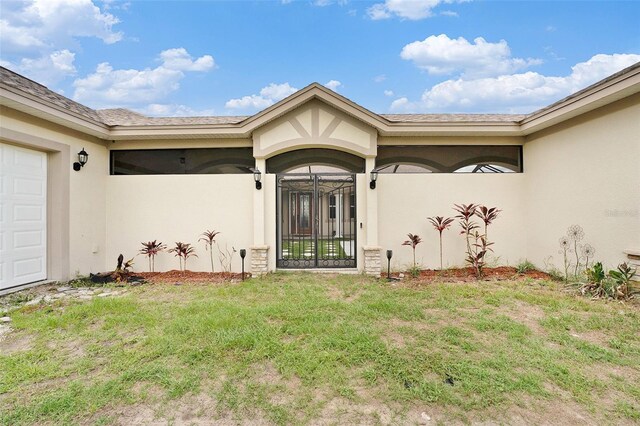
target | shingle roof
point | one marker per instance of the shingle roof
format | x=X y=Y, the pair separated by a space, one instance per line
x=19 y=82
x=439 y=118
x=125 y=117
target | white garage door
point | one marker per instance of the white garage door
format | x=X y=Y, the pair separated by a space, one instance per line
x=23 y=216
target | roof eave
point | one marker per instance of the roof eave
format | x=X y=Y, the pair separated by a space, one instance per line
x=591 y=98
x=27 y=103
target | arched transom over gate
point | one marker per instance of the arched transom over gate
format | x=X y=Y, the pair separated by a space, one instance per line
x=315 y=125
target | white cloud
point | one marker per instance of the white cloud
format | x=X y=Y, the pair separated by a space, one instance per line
x=33 y=25
x=406 y=9
x=48 y=69
x=109 y=87
x=380 y=78
x=388 y=93
x=443 y=55
x=174 y=110
x=516 y=93
x=39 y=36
x=267 y=97
x=449 y=13
x=333 y=85
x=179 y=59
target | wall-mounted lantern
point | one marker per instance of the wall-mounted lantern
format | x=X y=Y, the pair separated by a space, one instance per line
x=374 y=178
x=83 y=157
x=257 y=176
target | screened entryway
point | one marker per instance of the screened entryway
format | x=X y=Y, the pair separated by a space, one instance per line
x=316 y=214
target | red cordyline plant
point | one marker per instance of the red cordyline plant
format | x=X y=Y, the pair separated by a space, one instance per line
x=440 y=224
x=487 y=215
x=465 y=213
x=151 y=249
x=413 y=241
x=183 y=251
x=209 y=238
x=478 y=254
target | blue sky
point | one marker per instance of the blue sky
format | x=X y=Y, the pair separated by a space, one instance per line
x=390 y=56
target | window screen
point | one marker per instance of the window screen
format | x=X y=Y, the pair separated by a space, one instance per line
x=182 y=161
x=449 y=159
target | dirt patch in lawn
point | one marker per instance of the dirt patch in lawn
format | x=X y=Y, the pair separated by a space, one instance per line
x=175 y=276
x=524 y=313
x=14 y=342
x=502 y=273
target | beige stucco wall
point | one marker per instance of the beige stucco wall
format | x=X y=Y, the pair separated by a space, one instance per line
x=172 y=208
x=85 y=242
x=586 y=172
x=406 y=200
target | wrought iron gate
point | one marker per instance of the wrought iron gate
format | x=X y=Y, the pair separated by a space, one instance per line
x=316 y=220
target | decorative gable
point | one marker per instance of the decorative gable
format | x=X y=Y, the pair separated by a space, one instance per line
x=315 y=124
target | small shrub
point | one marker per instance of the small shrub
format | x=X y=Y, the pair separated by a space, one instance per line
x=413 y=241
x=614 y=285
x=183 y=251
x=440 y=223
x=209 y=237
x=151 y=249
x=414 y=271
x=525 y=266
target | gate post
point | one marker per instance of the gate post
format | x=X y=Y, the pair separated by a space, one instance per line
x=372 y=265
x=259 y=250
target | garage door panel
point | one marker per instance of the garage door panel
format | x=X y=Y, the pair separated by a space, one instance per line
x=32 y=267
x=28 y=239
x=28 y=213
x=23 y=179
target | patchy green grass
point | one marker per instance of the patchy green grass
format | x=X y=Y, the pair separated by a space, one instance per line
x=306 y=348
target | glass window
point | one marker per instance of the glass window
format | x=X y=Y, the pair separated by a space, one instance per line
x=182 y=161
x=332 y=206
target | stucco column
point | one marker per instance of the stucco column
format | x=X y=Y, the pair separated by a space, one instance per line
x=371 y=249
x=259 y=250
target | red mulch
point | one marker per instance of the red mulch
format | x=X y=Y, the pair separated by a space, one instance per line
x=502 y=273
x=175 y=276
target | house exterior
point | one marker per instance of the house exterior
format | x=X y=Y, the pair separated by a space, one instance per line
x=318 y=206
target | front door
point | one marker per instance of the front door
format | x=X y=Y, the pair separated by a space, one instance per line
x=316 y=221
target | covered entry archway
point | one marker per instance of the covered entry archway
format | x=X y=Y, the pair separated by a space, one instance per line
x=316 y=220
x=316 y=215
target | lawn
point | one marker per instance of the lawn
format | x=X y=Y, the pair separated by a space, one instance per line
x=307 y=348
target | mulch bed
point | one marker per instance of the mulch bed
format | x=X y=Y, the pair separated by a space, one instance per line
x=176 y=276
x=502 y=273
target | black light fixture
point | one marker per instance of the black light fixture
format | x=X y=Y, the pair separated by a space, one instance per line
x=389 y=256
x=243 y=254
x=257 y=175
x=374 y=178
x=83 y=157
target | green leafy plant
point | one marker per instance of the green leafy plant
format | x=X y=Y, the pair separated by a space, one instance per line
x=183 y=251
x=151 y=249
x=478 y=245
x=596 y=273
x=525 y=266
x=209 y=237
x=122 y=271
x=622 y=277
x=440 y=224
x=413 y=241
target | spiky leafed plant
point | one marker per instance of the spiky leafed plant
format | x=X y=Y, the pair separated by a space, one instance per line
x=209 y=238
x=465 y=213
x=151 y=249
x=188 y=252
x=413 y=241
x=183 y=251
x=440 y=224
x=477 y=257
x=488 y=215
